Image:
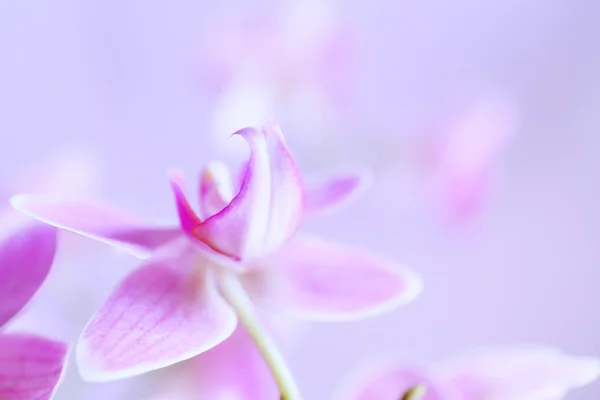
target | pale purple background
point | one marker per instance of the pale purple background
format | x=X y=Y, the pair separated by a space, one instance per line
x=119 y=78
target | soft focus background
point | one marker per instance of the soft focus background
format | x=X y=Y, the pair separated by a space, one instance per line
x=130 y=88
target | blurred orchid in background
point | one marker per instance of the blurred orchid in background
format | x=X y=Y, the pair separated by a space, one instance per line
x=193 y=288
x=294 y=63
x=448 y=169
x=465 y=151
x=533 y=373
x=30 y=365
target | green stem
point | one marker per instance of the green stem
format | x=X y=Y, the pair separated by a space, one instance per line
x=415 y=393
x=237 y=297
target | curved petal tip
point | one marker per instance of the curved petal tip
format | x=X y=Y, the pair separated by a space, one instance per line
x=268 y=207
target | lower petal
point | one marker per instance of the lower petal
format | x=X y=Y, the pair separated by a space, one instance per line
x=26 y=255
x=30 y=367
x=167 y=311
x=319 y=279
x=234 y=370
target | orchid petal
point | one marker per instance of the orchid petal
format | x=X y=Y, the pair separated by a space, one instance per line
x=30 y=367
x=167 y=311
x=217 y=373
x=535 y=373
x=26 y=256
x=475 y=139
x=216 y=189
x=465 y=151
x=97 y=222
x=187 y=216
x=324 y=280
x=190 y=221
x=464 y=194
x=386 y=381
x=328 y=194
x=268 y=207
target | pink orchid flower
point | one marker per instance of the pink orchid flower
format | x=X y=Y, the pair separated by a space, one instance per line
x=182 y=301
x=280 y=44
x=532 y=373
x=30 y=366
x=465 y=152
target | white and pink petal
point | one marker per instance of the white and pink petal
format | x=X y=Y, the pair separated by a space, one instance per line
x=188 y=219
x=327 y=194
x=167 y=311
x=96 y=221
x=267 y=210
x=234 y=370
x=30 y=367
x=216 y=189
x=26 y=255
x=324 y=280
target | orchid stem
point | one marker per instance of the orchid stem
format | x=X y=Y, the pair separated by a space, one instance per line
x=238 y=298
x=415 y=393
